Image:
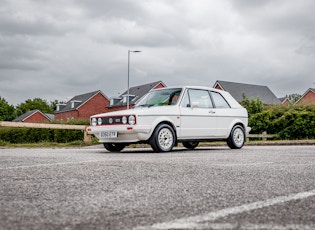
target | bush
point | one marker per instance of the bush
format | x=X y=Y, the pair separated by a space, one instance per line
x=253 y=105
x=287 y=122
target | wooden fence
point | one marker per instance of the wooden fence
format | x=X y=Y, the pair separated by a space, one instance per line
x=87 y=137
x=264 y=136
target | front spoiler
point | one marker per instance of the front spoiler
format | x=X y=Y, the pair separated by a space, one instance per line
x=125 y=133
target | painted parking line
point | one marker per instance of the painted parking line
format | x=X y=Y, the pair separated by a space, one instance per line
x=195 y=222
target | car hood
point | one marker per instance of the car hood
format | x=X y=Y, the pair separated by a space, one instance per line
x=154 y=110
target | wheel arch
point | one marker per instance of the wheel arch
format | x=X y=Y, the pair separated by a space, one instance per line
x=163 y=121
x=237 y=122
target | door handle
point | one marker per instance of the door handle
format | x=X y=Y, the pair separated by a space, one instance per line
x=211 y=111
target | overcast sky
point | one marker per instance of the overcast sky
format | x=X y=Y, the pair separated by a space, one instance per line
x=57 y=49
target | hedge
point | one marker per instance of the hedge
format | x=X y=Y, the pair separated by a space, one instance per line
x=31 y=135
x=286 y=122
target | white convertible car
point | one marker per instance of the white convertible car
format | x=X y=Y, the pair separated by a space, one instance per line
x=164 y=117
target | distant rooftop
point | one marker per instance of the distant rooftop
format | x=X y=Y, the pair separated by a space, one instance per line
x=30 y=113
x=78 y=100
x=137 y=92
x=251 y=91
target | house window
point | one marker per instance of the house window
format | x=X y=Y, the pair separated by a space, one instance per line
x=60 y=107
x=114 y=101
x=75 y=103
x=125 y=98
x=130 y=98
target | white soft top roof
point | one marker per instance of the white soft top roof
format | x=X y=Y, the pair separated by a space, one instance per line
x=232 y=102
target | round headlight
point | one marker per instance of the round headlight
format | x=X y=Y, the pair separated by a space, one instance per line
x=99 y=121
x=131 y=120
x=124 y=120
x=110 y=120
x=93 y=121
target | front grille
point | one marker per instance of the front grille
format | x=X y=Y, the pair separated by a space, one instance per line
x=115 y=120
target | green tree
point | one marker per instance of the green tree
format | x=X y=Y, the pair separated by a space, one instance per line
x=253 y=105
x=7 y=112
x=53 y=104
x=32 y=104
x=294 y=97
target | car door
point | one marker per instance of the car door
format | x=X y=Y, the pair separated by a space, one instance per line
x=224 y=114
x=197 y=116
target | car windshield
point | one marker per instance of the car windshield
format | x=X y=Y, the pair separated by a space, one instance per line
x=160 y=97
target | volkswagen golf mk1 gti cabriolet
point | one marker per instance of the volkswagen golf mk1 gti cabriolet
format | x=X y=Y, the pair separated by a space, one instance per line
x=164 y=117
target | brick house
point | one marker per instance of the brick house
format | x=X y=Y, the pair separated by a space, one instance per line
x=285 y=101
x=35 y=116
x=82 y=106
x=307 y=98
x=250 y=91
x=135 y=94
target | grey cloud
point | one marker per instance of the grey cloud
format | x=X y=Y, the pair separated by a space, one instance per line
x=281 y=16
x=126 y=9
x=29 y=18
x=150 y=37
x=19 y=53
x=66 y=48
x=307 y=47
x=15 y=26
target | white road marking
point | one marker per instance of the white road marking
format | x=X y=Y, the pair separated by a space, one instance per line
x=244 y=164
x=194 y=222
x=50 y=164
x=249 y=226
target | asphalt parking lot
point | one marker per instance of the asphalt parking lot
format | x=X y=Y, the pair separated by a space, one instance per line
x=257 y=187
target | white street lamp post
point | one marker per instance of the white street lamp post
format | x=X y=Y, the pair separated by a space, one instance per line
x=130 y=51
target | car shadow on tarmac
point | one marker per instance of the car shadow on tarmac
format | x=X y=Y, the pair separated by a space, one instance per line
x=175 y=150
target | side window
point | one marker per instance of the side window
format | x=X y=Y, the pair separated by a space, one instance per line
x=198 y=99
x=219 y=101
x=174 y=97
x=185 y=101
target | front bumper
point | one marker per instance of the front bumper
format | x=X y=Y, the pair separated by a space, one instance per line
x=125 y=133
x=248 y=129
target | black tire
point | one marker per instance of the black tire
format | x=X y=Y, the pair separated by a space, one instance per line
x=190 y=144
x=114 y=147
x=163 y=138
x=237 y=137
